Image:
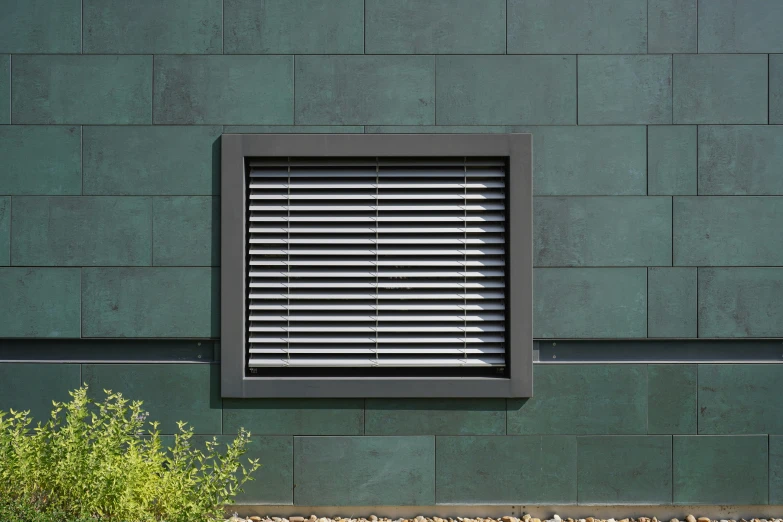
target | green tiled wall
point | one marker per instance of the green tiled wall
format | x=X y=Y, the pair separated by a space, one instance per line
x=658 y=152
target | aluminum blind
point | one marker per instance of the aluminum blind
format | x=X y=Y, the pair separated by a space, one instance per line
x=382 y=263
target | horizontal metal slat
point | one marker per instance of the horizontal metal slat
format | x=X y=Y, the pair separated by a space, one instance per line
x=256 y=362
x=379 y=318
x=418 y=351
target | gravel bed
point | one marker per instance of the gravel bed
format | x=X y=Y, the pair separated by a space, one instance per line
x=525 y=518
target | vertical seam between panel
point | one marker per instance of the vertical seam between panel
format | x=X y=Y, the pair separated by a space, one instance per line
x=671 y=442
x=81 y=156
x=697 y=26
x=769 y=89
x=81 y=303
x=293 y=470
x=672 y=198
x=576 y=56
x=647 y=297
x=435 y=88
x=648 y=316
x=152 y=249
x=152 y=103
x=435 y=471
x=647 y=393
x=10 y=231
x=648 y=27
x=10 y=90
x=698 y=166
x=81 y=30
x=698 y=367
x=222 y=26
x=672 y=76
x=576 y=443
x=647 y=159
x=698 y=270
x=293 y=87
x=506 y=24
x=364 y=27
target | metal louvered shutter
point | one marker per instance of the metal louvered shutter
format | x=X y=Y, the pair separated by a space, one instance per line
x=377 y=266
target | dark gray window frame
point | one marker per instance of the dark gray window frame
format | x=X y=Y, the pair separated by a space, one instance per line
x=236 y=148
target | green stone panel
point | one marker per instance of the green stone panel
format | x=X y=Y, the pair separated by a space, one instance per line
x=186 y=231
x=82 y=231
x=293 y=129
x=775 y=470
x=721 y=470
x=152 y=160
x=594 y=399
x=602 y=231
x=506 y=470
x=589 y=161
x=740 y=26
x=435 y=27
x=273 y=482
x=569 y=160
x=231 y=90
x=672 y=26
x=39 y=302
x=672 y=302
x=506 y=90
x=170 y=392
x=358 y=90
x=5 y=89
x=625 y=90
x=33 y=386
x=671 y=399
x=730 y=88
x=435 y=417
x=294 y=416
x=740 y=302
x=151 y=302
x=40 y=160
x=584 y=27
x=301 y=27
x=153 y=27
x=671 y=160
x=435 y=129
x=364 y=471
x=740 y=160
x=776 y=88
x=625 y=469
x=41 y=26
x=590 y=303
x=82 y=89
x=5 y=231
x=739 y=399
x=728 y=231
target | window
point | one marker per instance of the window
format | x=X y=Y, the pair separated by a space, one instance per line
x=376 y=266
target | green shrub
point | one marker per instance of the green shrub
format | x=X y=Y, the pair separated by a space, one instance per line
x=95 y=460
x=23 y=511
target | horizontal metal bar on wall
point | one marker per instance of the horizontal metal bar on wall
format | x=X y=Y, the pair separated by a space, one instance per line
x=570 y=351
x=550 y=351
x=576 y=511
x=109 y=350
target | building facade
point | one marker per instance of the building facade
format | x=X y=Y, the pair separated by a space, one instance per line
x=657 y=132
